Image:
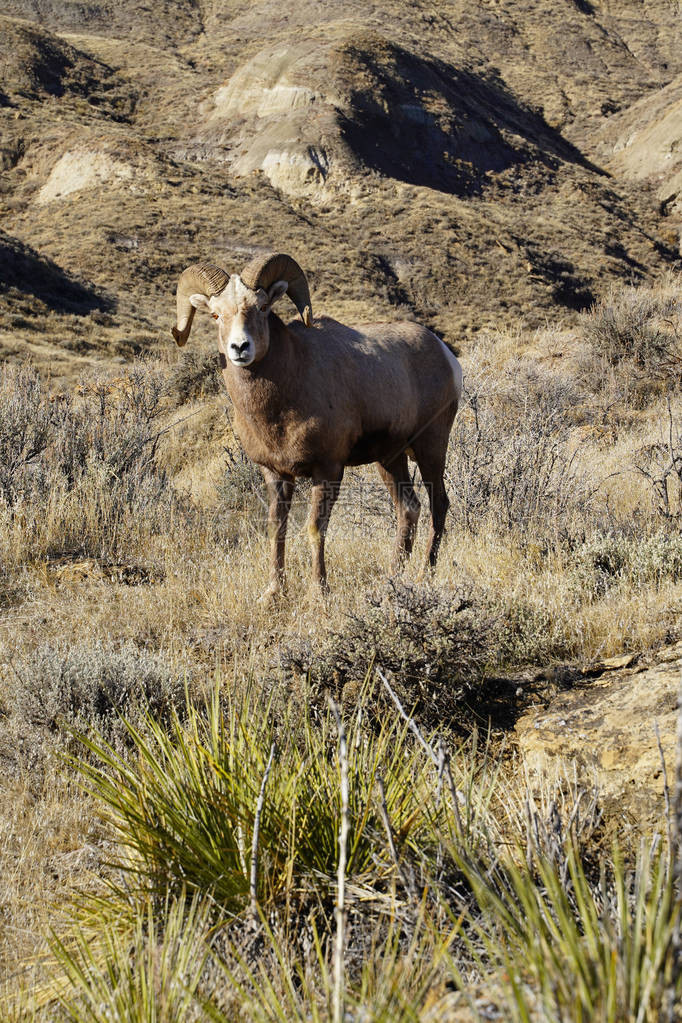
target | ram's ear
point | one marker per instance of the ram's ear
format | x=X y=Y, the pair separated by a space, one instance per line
x=276 y=291
x=200 y=301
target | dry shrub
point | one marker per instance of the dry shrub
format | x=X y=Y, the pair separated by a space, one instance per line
x=510 y=462
x=432 y=643
x=637 y=324
x=26 y=427
x=660 y=464
x=611 y=557
x=634 y=339
x=75 y=470
x=528 y=634
x=195 y=375
x=242 y=486
x=90 y=685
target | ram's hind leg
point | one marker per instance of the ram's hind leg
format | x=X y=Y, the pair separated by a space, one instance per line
x=430 y=450
x=280 y=492
x=396 y=476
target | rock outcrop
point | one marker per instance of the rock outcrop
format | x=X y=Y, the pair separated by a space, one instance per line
x=644 y=144
x=322 y=113
x=607 y=727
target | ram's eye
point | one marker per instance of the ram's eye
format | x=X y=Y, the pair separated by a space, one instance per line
x=216 y=316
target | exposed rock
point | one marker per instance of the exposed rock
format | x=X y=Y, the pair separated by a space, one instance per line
x=67 y=162
x=607 y=727
x=644 y=144
x=322 y=113
x=81 y=169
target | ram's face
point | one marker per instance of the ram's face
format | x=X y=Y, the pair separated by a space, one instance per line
x=242 y=317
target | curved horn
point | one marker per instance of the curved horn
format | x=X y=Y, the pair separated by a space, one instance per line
x=199 y=278
x=263 y=271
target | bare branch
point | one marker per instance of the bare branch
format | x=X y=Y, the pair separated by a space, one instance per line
x=253 y=884
x=428 y=749
x=340 y=946
x=666 y=788
x=454 y=795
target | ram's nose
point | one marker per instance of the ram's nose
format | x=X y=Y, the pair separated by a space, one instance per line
x=239 y=350
x=241 y=353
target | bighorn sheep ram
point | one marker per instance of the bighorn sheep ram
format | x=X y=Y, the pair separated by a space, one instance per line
x=311 y=398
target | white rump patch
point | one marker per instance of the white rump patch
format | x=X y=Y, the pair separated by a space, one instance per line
x=456 y=368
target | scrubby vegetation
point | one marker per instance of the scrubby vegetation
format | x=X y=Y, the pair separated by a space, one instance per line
x=217 y=751
x=435 y=644
x=463 y=890
x=91 y=685
x=80 y=474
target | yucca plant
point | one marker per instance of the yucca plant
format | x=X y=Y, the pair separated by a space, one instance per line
x=311 y=792
x=147 y=970
x=183 y=806
x=283 y=985
x=567 y=949
x=177 y=806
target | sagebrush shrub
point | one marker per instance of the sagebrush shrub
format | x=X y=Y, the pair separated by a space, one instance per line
x=527 y=634
x=195 y=375
x=608 y=558
x=638 y=324
x=242 y=486
x=435 y=645
x=75 y=468
x=26 y=428
x=513 y=464
x=660 y=464
x=114 y=426
x=91 y=684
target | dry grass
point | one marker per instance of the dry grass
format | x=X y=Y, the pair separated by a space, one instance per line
x=132 y=542
x=137 y=542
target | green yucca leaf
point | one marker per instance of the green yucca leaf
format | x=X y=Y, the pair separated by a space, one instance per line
x=170 y=812
x=147 y=970
x=582 y=960
x=183 y=807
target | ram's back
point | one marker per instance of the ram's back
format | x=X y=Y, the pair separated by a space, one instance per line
x=371 y=387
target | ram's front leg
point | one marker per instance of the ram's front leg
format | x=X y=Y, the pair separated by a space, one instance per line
x=326 y=487
x=280 y=492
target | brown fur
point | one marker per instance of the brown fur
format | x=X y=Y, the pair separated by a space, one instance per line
x=315 y=400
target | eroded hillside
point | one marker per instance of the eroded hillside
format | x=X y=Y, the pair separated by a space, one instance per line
x=470 y=165
x=510 y=175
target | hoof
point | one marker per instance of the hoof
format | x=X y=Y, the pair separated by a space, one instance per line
x=317 y=595
x=271 y=596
